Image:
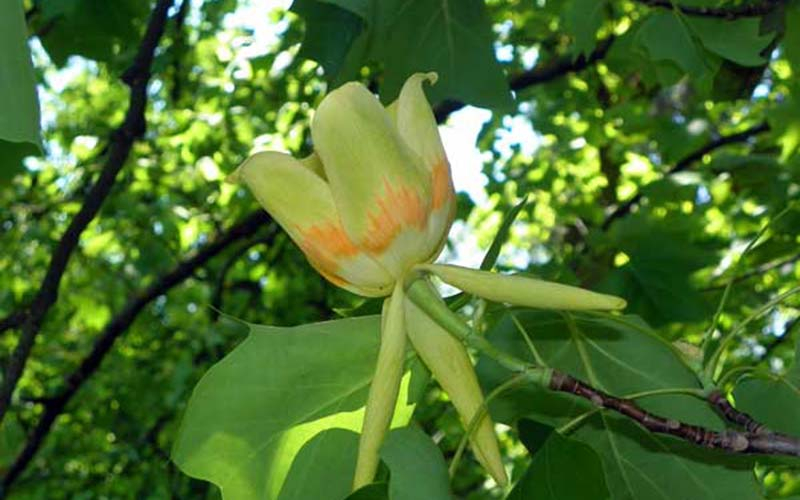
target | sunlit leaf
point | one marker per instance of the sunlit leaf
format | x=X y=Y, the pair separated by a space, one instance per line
x=254 y=411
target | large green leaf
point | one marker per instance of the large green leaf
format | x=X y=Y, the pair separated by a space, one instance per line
x=582 y=19
x=19 y=105
x=561 y=468
x=668 y=41
x=773 y=400
x=662 y=257
x=745 y=48
x=96 y=29
x=330 y=32
x=455 y=40
x=254 y=411
x=622 y=356
x=417 y=467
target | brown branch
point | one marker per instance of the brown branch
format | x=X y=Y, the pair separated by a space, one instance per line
x=137 y=78
x=731 y=414
x=733 y=12
x=54 y=406
x=542 y=73
x=762 y=442
x=743 y=136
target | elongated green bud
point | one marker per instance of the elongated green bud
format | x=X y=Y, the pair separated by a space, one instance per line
x=384 y=388
x=450 y=364
x=523 y=291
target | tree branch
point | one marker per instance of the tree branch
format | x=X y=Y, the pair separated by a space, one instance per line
x=54 y=406
x=733 y=12
x=731 y=414
x=542 y=73
x=137 y=78
x=757 y=271
x=743 y=136
x=749 y=442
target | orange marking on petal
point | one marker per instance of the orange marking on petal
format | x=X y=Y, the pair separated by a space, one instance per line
x=399 y=207
x=442 y=184
x=325 y=244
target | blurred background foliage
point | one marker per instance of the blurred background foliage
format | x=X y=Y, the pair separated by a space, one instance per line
x=654 y=141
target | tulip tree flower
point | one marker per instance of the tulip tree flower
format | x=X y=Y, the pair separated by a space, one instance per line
x=371 y=209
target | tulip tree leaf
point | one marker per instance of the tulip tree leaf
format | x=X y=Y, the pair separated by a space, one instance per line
x=560 y=467
x=454 y=40
x=670 y=44
x=253 y=412
x=19 y=104
x=330 y=33
x=96 y=29
x=582 y=19
x=416 y=465
x=745 y=48
x=622 y=356
x=656 y=279
x=773 y=400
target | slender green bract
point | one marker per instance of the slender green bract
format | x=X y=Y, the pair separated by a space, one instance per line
x=523 y=291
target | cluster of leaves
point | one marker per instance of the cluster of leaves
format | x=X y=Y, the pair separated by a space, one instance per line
x=667 y=136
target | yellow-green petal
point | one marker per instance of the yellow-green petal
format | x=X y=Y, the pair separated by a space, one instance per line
x=450 y=364
x=416 y=122
x=301 y=202
x=523 y=291
x=417 y=126
x=378 y=183
x=384 y=388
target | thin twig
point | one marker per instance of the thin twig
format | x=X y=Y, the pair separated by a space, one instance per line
x=731 y=414
x=219 y=289
x=755 y=9
x=756 y=271
x=137 y=77
x=714 y=360
x=732 y=441
x=54 y=406
x=542 y=73
x=736 y=266
x=685 y=163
